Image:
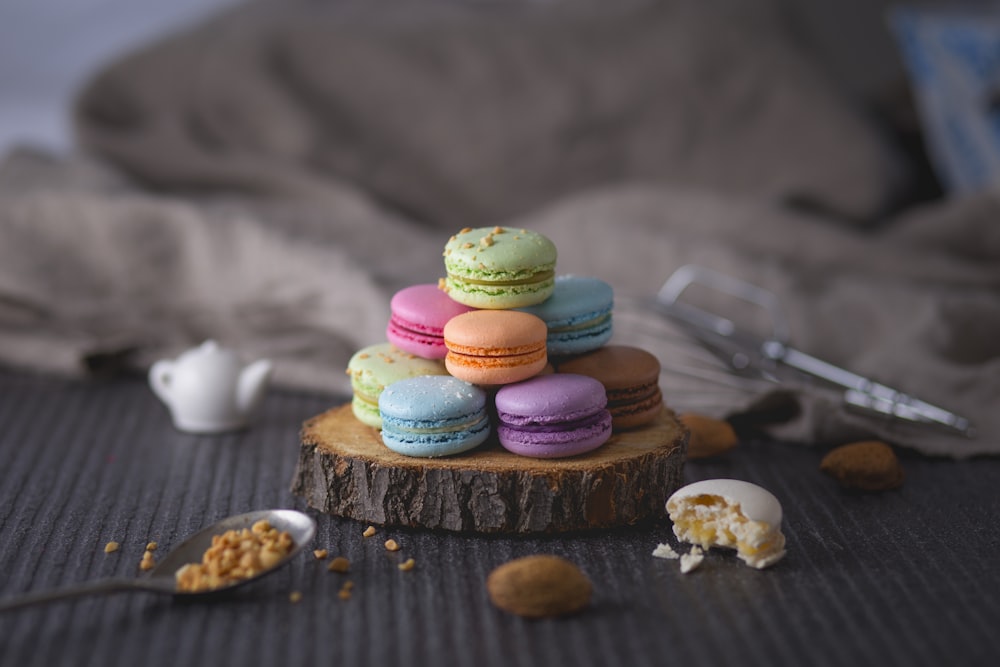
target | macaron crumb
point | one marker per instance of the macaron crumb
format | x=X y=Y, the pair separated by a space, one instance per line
x=665 y=551
x=692 y=559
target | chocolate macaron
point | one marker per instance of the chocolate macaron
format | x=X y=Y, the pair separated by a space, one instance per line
x=631 y=377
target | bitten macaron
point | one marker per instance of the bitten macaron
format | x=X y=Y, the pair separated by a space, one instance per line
x=578 y=315
x=553 y=416
x=375 y=367
x=492 y=347
x=433 y=416
x=418 y=316
x=499 y=267
x=631 y=377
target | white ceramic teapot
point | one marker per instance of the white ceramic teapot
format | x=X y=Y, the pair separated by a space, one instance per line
x=208 y=389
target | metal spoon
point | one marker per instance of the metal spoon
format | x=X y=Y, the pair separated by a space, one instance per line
x=161 y=578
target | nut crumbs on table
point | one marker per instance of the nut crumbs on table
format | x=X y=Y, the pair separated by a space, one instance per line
x=320 y=554
x=111 y=547
x=392 y=545
x=407 y=565
x=339 y=564
x=369 y=531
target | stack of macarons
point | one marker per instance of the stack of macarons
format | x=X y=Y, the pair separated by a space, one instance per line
x=502 y=335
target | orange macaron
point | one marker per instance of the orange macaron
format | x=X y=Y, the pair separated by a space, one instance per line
x=493 y=347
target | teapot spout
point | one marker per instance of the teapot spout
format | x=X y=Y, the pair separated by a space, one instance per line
x=252 y=385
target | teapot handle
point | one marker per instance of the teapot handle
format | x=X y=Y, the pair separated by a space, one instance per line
x=160 y=375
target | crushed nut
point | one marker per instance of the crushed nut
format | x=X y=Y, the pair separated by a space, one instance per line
x=407 y=565
x=339 y=564
x=320 y=554
x=147 y=562
x=111 y=547
x=151 y=546
x=466 y=245
x=295 y=597
x=391 y=545
x=465 y=230
x=236 y=555
x=498 y=230
x=369 y=531
x=344 y=594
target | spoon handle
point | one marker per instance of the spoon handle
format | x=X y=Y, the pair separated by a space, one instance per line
x=98 y=587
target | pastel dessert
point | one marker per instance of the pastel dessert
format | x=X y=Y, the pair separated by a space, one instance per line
x=553 y=416
x=377 y=366
x=497 y=267
x=631 y=378
x=433 y=416
x=578 y=315
x=730 y=513
x=493 y=347
x=418 y=316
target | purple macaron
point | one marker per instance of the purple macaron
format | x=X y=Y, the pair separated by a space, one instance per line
x=419 y=314
x=552 y=416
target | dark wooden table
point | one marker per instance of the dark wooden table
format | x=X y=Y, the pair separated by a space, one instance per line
x=901 y=578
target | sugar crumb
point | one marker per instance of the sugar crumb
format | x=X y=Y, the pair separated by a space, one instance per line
x=692 y=559
x=665 y=551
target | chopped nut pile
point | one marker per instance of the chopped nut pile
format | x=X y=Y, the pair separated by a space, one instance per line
x=234 y=556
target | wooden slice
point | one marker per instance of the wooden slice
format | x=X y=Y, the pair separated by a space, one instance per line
x=345 y=470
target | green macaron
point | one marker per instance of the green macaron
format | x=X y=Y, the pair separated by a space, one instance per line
x=374 y=368
x=499 y=267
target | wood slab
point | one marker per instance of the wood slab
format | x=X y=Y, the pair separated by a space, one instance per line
x=345 y=470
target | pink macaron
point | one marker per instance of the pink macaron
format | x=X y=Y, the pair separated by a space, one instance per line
x=419 y=314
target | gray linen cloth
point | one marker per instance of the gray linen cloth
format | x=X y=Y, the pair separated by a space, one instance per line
x=95 y=271
x=282 y=169
x=464 y=113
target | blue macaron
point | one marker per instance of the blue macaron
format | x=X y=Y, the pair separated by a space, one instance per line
x=433 y=415
x=578 y=315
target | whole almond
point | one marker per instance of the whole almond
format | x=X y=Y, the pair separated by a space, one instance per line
x=870 y=465
x=709 y=437
x=539 y=586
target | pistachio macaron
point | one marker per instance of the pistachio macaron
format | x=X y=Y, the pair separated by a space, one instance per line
x=499 y=267
x=375 y=367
